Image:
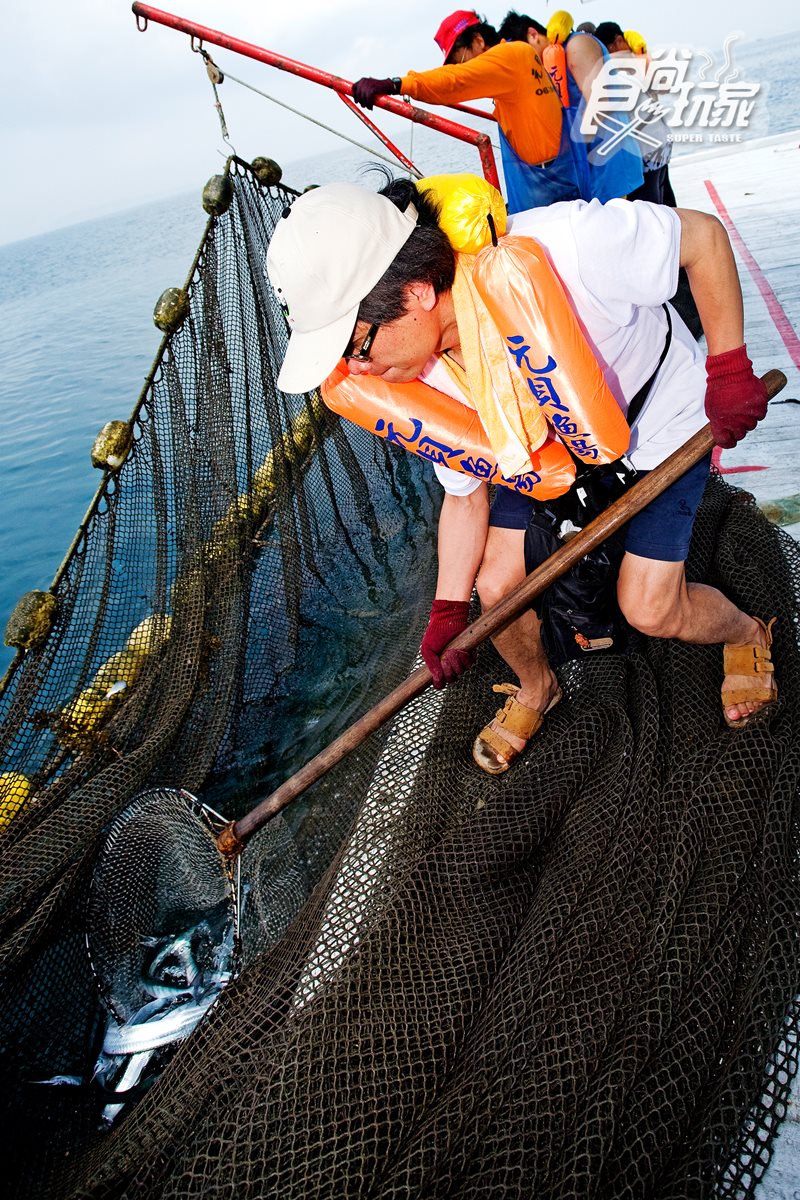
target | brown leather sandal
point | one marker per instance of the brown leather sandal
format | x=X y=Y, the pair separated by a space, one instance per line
x=755 y=661
x=518 y=719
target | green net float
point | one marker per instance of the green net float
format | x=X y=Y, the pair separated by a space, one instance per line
x=31 y=621
x=234 y=531
x=15 y=792
x=302 y=435
x=79 y=720
x=122 y=668
x=217 y=195
x=171 y=309
x=266 y=171
x=150 y=635
x=264 y=481
x=112 y=445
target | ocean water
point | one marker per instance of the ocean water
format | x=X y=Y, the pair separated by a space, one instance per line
x=77 y=337
x=76 y=341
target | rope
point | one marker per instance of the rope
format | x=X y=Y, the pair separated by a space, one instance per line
x=320 y=124
x=216 y=76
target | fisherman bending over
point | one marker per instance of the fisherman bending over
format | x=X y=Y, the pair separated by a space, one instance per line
x=373 y=278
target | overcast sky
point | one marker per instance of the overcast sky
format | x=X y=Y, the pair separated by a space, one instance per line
x=98 y=117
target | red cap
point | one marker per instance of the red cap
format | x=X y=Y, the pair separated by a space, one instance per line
x=451 y=27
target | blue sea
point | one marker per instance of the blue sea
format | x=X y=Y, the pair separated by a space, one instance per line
x=77 y=337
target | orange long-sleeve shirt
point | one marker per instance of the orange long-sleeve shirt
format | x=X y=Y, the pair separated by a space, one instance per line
x=525 y=102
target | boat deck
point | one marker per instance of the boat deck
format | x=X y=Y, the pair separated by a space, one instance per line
x=753 y=188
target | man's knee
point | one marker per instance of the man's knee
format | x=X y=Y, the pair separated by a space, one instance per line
x=653 y=620
x=503 y=565
x=651 y=601
x=495 y=580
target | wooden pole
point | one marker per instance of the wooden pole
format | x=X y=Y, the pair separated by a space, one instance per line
x=235 y=834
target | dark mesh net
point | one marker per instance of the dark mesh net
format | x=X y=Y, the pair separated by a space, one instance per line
x=576 y=979
x=159 y=878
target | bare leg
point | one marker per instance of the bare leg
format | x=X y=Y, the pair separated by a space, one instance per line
x=520 y=644
x=657 y=600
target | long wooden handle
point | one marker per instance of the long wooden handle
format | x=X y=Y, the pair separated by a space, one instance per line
x=494 y=621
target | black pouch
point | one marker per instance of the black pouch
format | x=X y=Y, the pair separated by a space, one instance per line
x=579 y=612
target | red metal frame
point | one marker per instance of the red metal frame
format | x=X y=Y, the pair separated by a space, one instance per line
x=400 y=108
x=473 y=112
x=380 y=135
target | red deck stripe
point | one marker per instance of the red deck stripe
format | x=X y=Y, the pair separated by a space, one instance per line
x=779 y=317
x=716 y=455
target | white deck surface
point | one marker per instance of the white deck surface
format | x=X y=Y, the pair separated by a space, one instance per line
x=759 y=185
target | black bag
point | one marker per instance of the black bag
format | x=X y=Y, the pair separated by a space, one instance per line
x=579 y=612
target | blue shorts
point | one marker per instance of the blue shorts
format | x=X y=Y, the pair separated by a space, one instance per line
x=662 y=531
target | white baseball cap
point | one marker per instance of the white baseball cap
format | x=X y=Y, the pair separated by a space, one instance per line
x=327 y=253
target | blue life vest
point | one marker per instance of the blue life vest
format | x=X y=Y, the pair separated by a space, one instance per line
x=600 y=178
x=528 y=186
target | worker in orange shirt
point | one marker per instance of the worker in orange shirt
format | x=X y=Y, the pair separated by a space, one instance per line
x=537 y=160
x=574 y=60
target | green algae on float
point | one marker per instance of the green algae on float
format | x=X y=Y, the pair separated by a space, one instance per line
x=31 y=620
x=217 y=195
x=171 y=309
x=112 y=445
x=267 y=171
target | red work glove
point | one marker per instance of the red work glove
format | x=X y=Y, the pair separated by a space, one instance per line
x=365 y=90
x=736 y=399
x=448 y=619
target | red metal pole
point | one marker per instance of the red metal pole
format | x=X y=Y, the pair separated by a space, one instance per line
x=380 y=135
x=401 y=108
x=473 y=112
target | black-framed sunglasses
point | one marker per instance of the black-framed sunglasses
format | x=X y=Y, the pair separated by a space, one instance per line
x=362 y=353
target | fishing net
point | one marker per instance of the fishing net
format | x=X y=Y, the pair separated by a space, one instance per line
x=576 y=979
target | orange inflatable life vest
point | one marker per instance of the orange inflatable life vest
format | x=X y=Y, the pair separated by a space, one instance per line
x=527 y=303
x=559 y=396
x=436 y=427
x=554 y=61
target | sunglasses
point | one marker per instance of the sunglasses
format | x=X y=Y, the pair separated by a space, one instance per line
x=362 y=353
